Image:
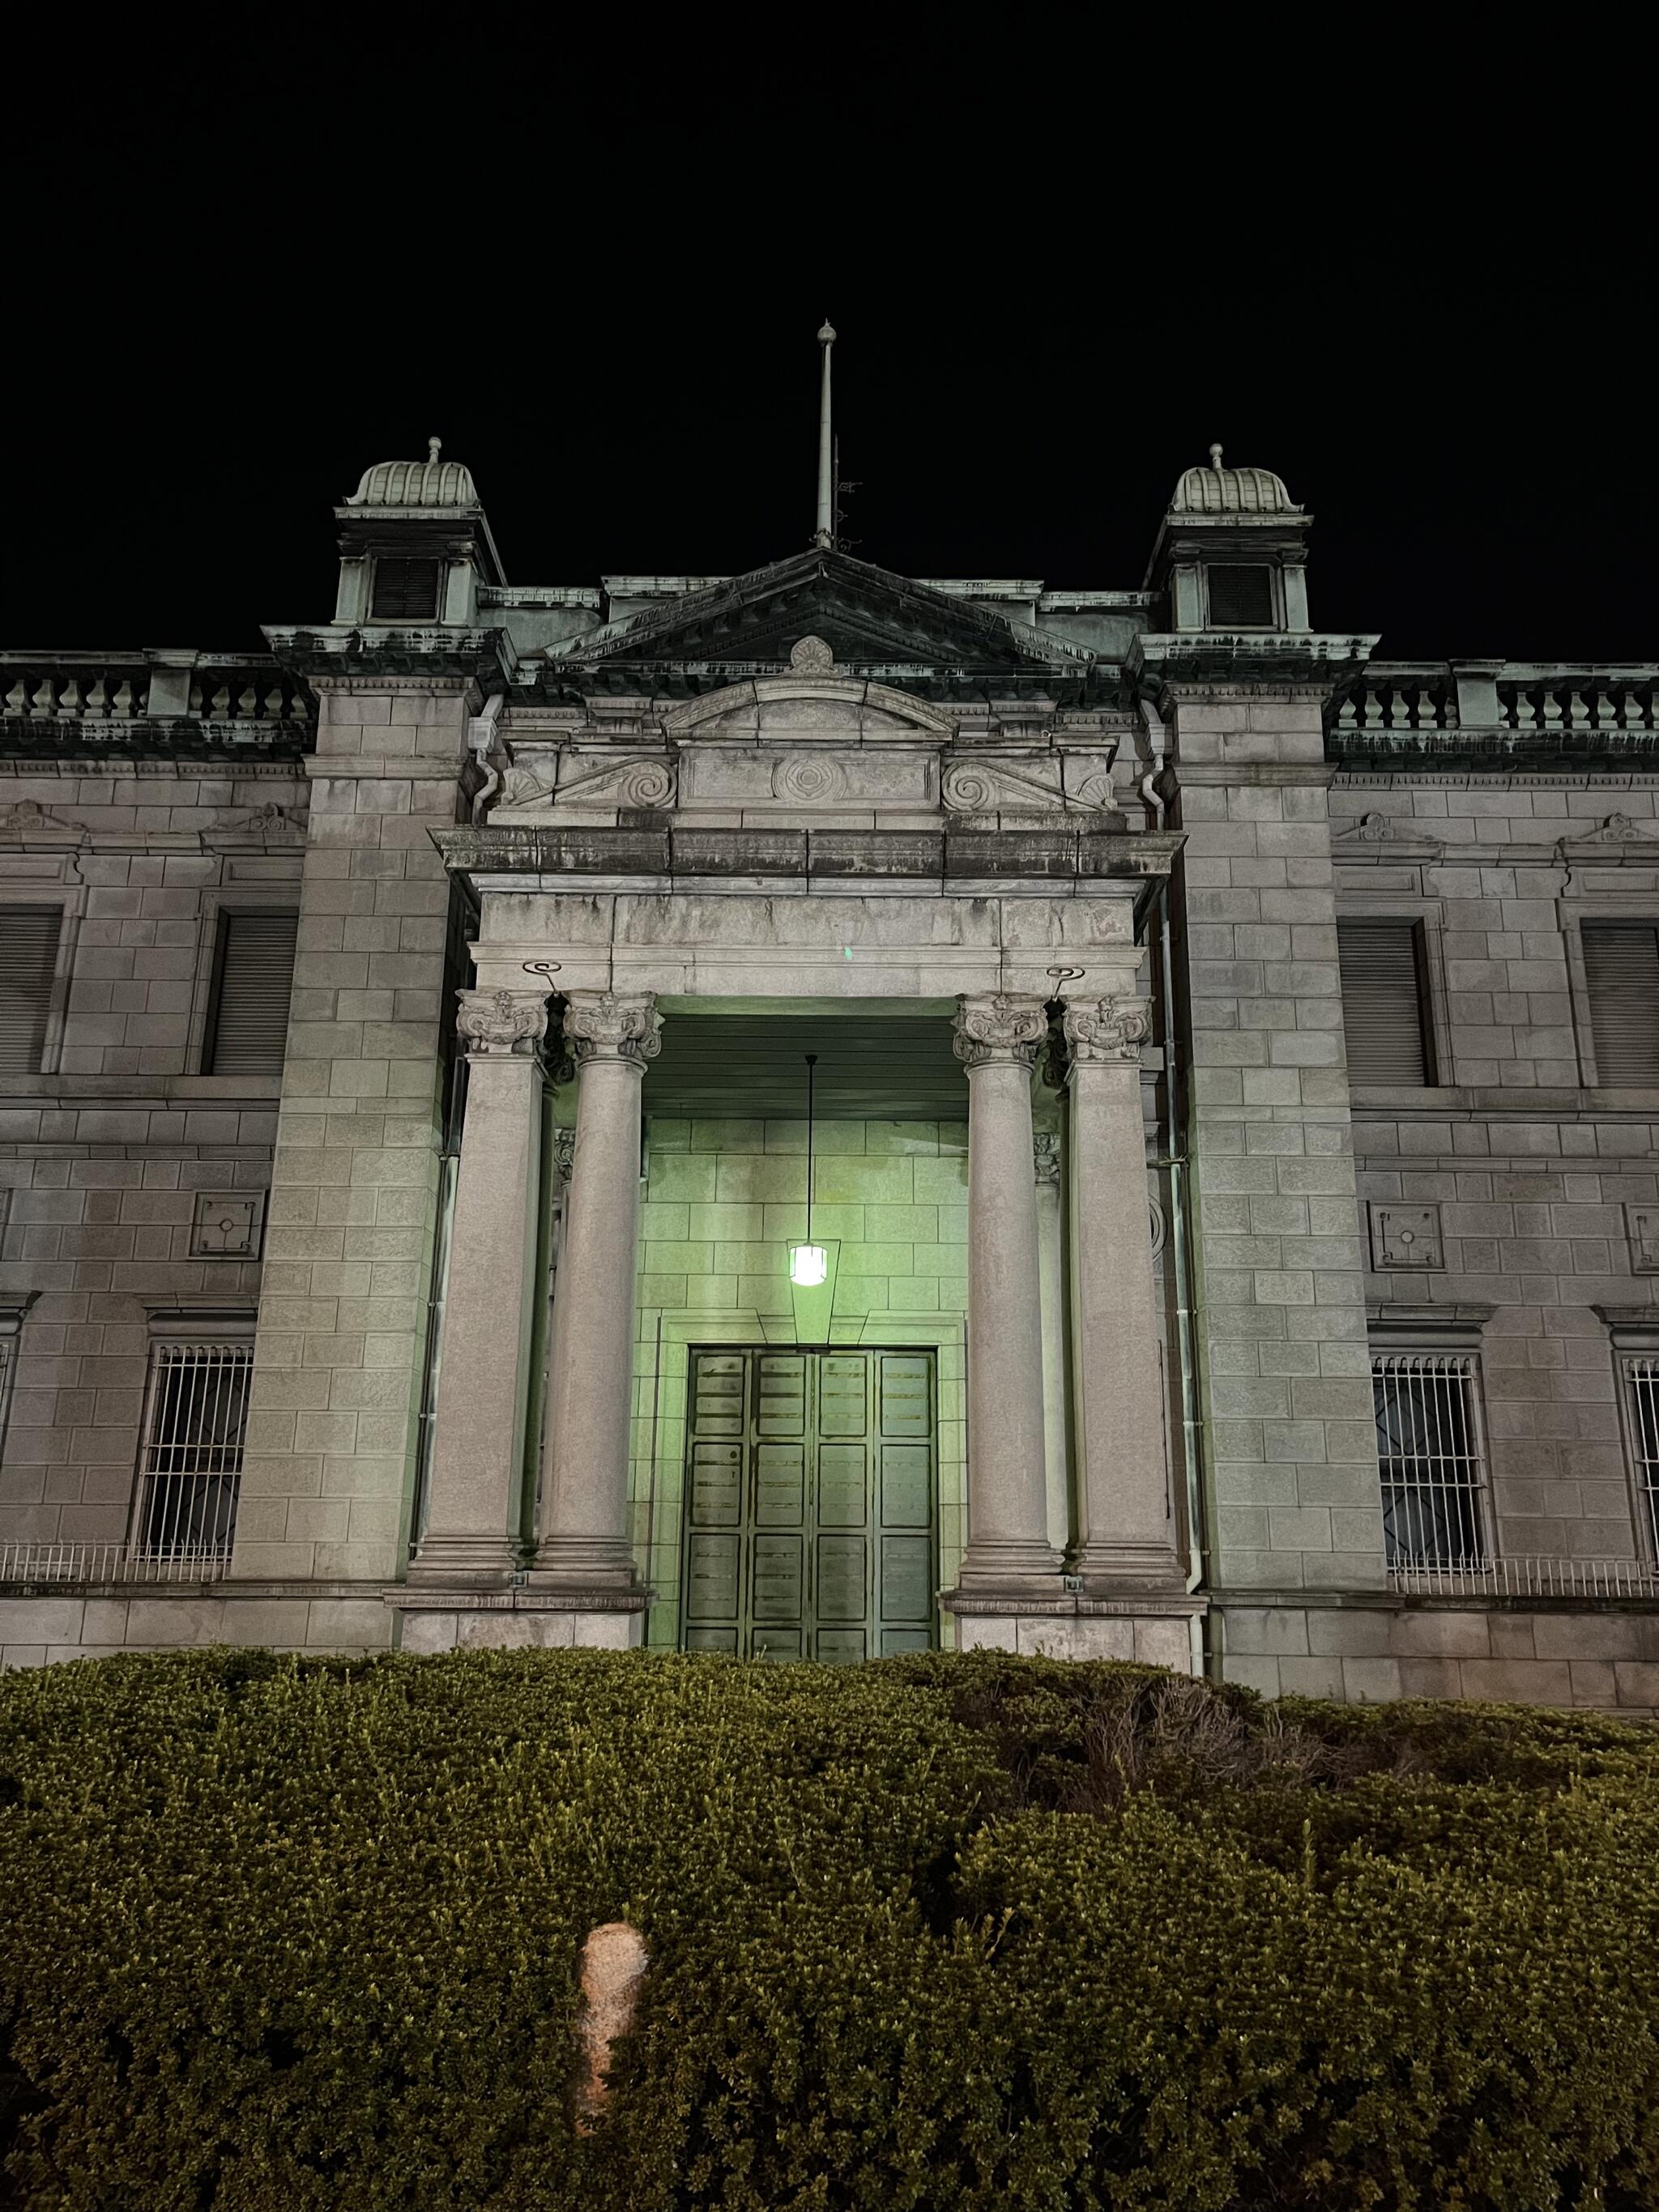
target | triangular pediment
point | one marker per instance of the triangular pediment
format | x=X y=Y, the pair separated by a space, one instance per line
x=867 y=616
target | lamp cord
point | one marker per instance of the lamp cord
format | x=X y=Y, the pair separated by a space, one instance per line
x=812 y=1065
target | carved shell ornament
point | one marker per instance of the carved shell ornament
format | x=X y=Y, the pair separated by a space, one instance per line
x=806 y=777
x=810 y=656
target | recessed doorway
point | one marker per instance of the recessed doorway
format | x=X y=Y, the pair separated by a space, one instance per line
x=810 y=1503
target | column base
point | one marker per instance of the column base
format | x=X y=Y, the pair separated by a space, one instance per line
x=1014 y=1565
x=517 y=1619
x=1148 y=1631
x=465 y=1563
x=1108 y=1570
x=573 y=1566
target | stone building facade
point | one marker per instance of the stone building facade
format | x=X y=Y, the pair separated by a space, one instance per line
x=1234 y=1218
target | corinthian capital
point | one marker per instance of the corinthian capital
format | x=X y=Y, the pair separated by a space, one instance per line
x=613 y=1025
x=1002 y=1030
x=1105 y=1029
x=496 y=1022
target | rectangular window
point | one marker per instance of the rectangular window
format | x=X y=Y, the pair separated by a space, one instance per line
x=29 y=963
x=404 y=590
x=191 y=1461
x=1641 y=1370
x=1240 y=598
x=1621 y=968
x=1385 y=1002
x=1432 y=1456
x=253 y=983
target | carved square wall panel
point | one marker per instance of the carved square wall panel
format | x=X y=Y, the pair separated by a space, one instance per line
x=1642 y=1226
x=227 y=1224
x=1405 y=1236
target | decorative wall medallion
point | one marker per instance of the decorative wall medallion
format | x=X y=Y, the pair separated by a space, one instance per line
x=227 y=1224
x=810 y=656
x=1045 y=1155
x=1642 y=1226
x=499 y=1022
x=564 y=1152
x=1405 y=1236
x=809 y=778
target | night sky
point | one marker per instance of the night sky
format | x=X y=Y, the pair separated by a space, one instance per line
x=607 y=309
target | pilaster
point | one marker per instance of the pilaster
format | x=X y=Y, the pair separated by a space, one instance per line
x=1280 y=1316
x=340 y=1350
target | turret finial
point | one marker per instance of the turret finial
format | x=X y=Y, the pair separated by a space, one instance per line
x=1215 y=458
x=435 y=446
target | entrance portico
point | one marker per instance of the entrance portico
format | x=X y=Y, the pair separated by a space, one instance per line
x=1027 y=976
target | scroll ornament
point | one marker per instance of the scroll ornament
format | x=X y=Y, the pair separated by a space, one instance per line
x=1106 y=1029
x=608 y=1025
x=1002 y=1030
x=498 y=1023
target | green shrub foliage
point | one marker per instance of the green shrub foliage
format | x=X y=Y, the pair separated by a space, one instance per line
x=971 y=1933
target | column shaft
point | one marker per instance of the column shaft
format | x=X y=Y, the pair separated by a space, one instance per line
x=477 y=1451
x=1126 y=1502
x=584 y=1542
x=1008 y=1546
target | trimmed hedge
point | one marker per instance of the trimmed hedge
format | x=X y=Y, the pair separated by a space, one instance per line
x=967 y=1932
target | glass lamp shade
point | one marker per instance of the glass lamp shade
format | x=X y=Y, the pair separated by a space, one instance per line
x=808 y=1265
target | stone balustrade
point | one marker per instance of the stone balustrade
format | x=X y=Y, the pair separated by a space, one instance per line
x=1494 y=709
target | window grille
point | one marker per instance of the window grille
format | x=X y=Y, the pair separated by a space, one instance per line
x=191 y=1465
x=1432 y=1457
x=1642 y=1404
x=1621 y=969
x=252 y=983
x=1384 y=1003
x=29 y=962
x=406 y=590
x=1243 y=597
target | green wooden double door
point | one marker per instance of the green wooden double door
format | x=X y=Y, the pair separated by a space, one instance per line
x=810 y=1480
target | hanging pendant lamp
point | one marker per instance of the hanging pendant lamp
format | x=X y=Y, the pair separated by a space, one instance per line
x=809 y=1263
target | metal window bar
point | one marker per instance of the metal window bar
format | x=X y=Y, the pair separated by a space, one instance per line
x=1432 y=1458
x=1641 y=1408
x=191 y=1461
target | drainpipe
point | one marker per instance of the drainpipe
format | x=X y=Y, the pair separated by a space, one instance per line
x=1206 y=1658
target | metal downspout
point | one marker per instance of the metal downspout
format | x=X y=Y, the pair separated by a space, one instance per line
x=1206 y=1656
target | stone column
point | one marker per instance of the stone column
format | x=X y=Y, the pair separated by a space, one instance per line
x=1047 y=1156
x=477 y=1449
x=584 y=1545
x=1125 y=1501
x=997 y=1040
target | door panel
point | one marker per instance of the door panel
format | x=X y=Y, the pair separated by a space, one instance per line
x=809 y=1504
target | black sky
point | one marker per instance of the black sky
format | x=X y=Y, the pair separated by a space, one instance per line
x=269 y=262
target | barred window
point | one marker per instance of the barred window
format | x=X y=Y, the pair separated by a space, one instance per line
x=252 y=983
x=1642 y=1407
x=1384 y=1001
x=1431 y=1454
x=29 y=962
x=191 y=1461
x=1621 y=969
